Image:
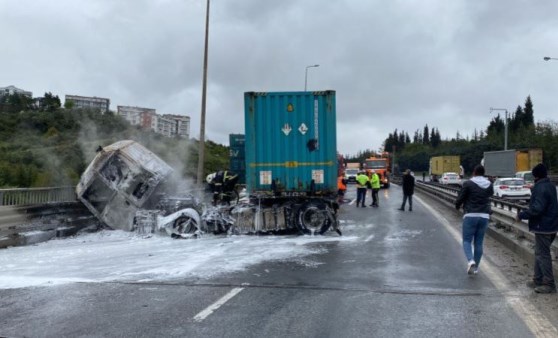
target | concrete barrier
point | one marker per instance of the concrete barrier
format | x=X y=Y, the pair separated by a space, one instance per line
x=30 y=224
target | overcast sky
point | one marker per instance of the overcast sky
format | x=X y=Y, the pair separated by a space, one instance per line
x=393 y=63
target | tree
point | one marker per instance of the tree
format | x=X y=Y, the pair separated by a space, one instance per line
x=69 y=104
x=528 y=119
x=418 y=137
x=14 y=103
x=50 y=102
x=435 y=138
x=496 y=126
x=516 y=120
x=425 y=135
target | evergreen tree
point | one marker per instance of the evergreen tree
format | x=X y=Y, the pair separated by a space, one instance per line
x=416 y=137
x=495 y=126
x=528 y=113
x=425 y=135
x=516 y=120
x=401 y=142
x=435 y=138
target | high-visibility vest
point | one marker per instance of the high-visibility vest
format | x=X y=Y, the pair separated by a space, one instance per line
x=375 y=181
x=362 y=180
x=340 y=184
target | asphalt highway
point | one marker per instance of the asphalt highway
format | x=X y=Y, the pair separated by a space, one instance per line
x=396 y=274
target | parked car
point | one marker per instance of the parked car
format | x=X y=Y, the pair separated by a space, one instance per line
x=350 y=175
x=450 y=178
x=511 y=187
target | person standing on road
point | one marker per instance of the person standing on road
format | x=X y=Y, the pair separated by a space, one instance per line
x=408 y=190
x=362 y=182
x=543 y=221
x=341 y=187
x=474 y=196
x=375 y=185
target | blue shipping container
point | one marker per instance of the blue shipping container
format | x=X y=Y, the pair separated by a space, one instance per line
x=237 y=152
x=236 y=140
x=291 y=142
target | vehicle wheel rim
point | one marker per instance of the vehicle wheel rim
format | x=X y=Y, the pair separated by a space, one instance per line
x=313 y=218
x=184 y=225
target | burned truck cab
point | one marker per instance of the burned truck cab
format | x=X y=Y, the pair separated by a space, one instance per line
x=122 y=179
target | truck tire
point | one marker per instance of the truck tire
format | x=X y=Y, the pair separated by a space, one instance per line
x=186 y=224
x=312 y=218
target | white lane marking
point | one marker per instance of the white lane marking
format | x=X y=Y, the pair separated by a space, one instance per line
x=369 y=238
x=539 y=325
x=213 y=307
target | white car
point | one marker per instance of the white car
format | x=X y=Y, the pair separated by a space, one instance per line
x=450 y=178
x=350 y=175
x=511 y=187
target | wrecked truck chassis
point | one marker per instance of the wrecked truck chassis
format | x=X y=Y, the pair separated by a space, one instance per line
x=307 y=216
x=127 y=187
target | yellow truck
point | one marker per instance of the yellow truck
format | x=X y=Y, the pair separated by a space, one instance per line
x=444 y=164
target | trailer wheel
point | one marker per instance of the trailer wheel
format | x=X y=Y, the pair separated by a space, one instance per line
x=186 y=224
x=313 y=218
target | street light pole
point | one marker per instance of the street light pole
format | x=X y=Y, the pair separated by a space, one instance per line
x=306 y=75
x=548 y=58
x=505 y=125
x=201 y=151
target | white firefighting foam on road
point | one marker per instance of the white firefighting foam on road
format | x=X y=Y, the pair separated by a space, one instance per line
x=113 y=256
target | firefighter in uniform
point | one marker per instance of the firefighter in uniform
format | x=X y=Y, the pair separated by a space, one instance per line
x=222 y=184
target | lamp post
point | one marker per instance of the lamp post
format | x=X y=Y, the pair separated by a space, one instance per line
x=201 y=151
x=505 y=125
x=306 y=75
x=548 y=58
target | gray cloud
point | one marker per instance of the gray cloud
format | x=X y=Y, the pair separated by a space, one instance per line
x=394 y=64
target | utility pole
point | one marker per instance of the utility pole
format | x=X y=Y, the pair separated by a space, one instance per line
x=505 y=125
x=201 y=152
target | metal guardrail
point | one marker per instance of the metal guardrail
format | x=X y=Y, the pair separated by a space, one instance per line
x=31 y=196
x=503 y=211
x=29 y=224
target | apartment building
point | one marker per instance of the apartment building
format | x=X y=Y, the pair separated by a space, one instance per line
x=182 y=125
x=10 y=90
x=168 y=124
x=137 y=116
x=87 y=102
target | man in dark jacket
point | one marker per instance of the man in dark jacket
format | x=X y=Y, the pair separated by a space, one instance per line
x=475 y=198
x=408 y=190
x=543 y=221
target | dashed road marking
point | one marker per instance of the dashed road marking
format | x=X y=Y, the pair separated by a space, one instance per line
x=369 y=238
x=213 y=307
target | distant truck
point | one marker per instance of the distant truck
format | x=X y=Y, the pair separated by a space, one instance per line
x=353 y=165
x=444 y=164
x=506 y=163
